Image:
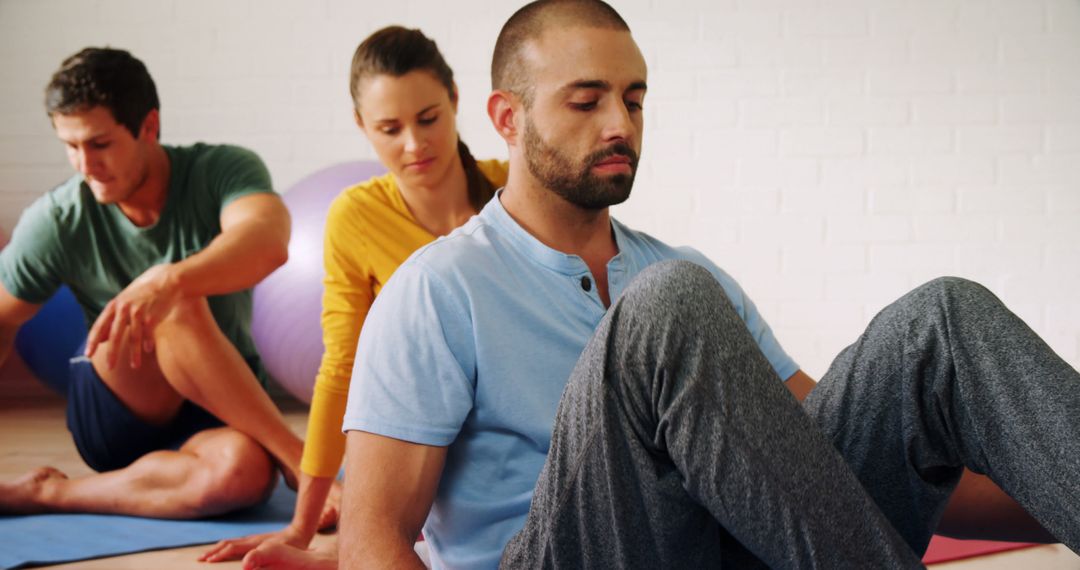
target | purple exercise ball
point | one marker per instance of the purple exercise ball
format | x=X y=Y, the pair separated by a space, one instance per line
x=288 y=304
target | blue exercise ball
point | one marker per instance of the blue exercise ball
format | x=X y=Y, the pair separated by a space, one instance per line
x=48 y=341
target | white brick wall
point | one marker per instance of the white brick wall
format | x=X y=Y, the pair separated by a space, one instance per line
x=830 y=154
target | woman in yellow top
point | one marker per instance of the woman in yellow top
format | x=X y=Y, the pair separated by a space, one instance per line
x=405 y=103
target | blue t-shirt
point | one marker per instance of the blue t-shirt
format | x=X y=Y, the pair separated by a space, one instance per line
x=470 y=344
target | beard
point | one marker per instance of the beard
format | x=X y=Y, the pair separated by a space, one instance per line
x=575 y=182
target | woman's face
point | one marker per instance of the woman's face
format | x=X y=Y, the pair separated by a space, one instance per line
x=411 y=124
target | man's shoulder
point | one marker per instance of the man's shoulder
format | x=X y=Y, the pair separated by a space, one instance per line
x=63 y=205
x=648 y=249
x=215 y=160
x=467 y=251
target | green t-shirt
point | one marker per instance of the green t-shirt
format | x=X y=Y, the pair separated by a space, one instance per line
x=67 y=238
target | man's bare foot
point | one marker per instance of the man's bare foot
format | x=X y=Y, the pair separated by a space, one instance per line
x=24 y=496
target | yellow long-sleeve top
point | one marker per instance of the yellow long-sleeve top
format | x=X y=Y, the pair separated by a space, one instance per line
x=369 y=233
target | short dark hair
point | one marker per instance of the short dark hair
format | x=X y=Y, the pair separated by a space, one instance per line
x=508 y=71
x=105 y=77
x=395 y=51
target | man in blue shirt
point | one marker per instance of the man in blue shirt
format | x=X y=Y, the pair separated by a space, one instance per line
x=674 y=443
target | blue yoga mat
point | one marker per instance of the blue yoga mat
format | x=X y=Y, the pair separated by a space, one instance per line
x=52 y=539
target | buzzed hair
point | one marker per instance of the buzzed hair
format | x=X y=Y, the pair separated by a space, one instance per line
x=508 y=71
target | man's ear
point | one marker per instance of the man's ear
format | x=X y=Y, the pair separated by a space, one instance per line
x=151 y=126
x=501 y=107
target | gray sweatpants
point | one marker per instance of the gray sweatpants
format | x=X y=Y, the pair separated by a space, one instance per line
x=677 y=446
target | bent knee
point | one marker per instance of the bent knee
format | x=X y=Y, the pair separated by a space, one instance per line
x=675 y=289
x=235 y=472
x=188 y=312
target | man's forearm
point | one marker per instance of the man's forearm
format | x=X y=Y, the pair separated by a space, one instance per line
x=235 y=260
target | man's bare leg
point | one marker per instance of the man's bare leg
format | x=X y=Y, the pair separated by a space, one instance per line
x=193 y=360
x=215 y=471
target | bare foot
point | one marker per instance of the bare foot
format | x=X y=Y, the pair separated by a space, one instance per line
x=24 y=495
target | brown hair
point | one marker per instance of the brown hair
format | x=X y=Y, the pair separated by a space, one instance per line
x=103 y=77
x=395 y=51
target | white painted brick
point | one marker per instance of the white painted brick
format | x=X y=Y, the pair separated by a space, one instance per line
x=1061 y=82
x=952 y=170
x=781 y=229
x=1040 y=108
x=910 y=140
x=1056 y=227
x=912 y=18
x=955 y=110
x=868 y=51
x=908 y=257
x=970 y=48
x=1063 y=138
x=1050 y=169
x=999 y=79
x=1003 y=258
x=670 y=167
x=919 y=200
x=1017 y=287
x=664 y=86
x=728 y=23
x=815 y=82
x=749 y=265
x=709 y=229
x=803 y=259
x=910 y=80
x=956 y=229
x=781 y=112
x=680 y=55
x=686 y=115
x=1041 y=49
x=769 y=51
x=1011 y=199
x=864 y=172
x=805 y=289
x=821 y=142
x=739 y=82
x=854 y=111
x=31 y=150
x=824 y=200
x=766 y=171
x=1065 y=200
x=839 y=315
x=868 y=229
x=815 y=22
x=736 y=142
x=876 y=289
x=1007 y=16
x=1063 y=257
x=999 y=139
x=715 y=201
x=1063 y=16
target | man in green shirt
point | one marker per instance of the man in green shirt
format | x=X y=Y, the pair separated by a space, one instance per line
x=161 y=246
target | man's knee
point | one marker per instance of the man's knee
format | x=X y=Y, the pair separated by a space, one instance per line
x=674 y=289
x=189 y=313
x=235 y=472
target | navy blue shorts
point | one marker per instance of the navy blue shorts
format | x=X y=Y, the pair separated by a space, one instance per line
x=107 y=435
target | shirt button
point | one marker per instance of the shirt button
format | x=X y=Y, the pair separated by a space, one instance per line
x=586 y=284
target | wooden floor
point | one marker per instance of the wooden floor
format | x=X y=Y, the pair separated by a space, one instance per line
x=32 y=433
